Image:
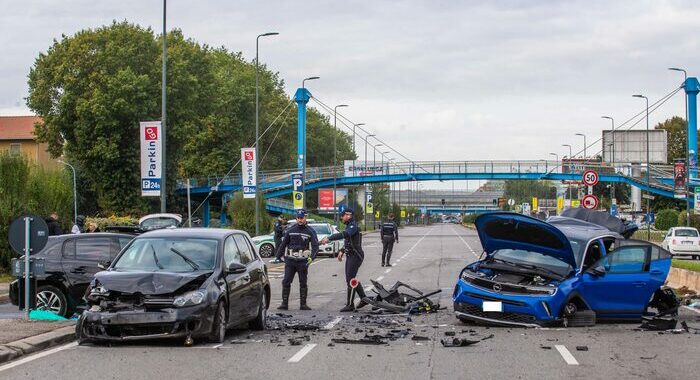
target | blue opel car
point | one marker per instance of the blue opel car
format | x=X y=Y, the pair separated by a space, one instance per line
x=565 y=271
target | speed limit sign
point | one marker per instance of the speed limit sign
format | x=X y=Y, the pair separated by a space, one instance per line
x=590 y=202
x=590 y=178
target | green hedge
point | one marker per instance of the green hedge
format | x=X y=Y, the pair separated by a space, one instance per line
x=666 y=219
x=27 y=188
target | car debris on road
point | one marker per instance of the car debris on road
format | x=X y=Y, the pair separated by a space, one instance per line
x=395 y=301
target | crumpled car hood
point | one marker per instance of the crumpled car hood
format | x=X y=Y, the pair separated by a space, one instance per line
x=147 y=283
x=507 y=230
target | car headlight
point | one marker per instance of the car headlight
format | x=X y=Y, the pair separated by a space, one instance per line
x=190 y=299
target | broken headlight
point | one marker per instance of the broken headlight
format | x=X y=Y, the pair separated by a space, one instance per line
x=190 y=299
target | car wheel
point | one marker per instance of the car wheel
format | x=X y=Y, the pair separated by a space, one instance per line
x=218 y=329
x=267 y=250
x=260 y=321
x=50 y=298
x=572 y=317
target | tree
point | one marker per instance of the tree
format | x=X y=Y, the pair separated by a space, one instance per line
x=676 y=129
x=522 y=191
x=93 y=88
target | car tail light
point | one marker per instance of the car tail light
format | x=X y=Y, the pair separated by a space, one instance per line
x=673 y=242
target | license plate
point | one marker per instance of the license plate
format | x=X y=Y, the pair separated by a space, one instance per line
x=686 y=242
x=492 y=306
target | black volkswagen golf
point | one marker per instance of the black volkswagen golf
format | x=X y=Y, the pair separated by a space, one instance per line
x=179 y=283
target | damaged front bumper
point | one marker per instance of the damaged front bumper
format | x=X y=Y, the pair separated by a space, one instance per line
x=195 y=321
x=516 y=310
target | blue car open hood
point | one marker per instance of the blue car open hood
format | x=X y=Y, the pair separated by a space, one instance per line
x=507 y=230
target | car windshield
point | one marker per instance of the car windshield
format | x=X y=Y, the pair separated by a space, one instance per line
x=577 y=248
x=686 y=232
x=324 y=229
x=168 y=255
x=529 y=258
x=158 y=223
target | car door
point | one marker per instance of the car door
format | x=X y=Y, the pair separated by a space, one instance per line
x=236 y=284
x=80 y=257
x=254 y=288
x=626 y=285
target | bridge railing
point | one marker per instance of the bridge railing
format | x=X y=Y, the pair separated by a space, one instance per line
x=283 y=176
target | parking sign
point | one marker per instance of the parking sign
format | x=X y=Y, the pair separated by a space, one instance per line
x=151 y=151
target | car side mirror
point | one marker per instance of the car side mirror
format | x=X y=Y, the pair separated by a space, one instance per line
x=236 y=268
x=104 y=264
x=598 y=271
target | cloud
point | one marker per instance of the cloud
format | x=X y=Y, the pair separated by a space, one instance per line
x=449 y=80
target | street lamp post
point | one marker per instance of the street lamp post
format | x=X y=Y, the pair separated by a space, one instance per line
x=365 y=167
x=75 y=193
x=335 y=158
x=687 y=157
x=612 y=159
x=353 y=145
x=257 y=130
x=569 y=145
x=556 y=157
x=648 y=166
x=303 y=168
x=584 y=146
x=163 y=114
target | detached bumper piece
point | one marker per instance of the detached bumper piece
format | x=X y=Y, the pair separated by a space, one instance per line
x=129 y=326
x=392 y=300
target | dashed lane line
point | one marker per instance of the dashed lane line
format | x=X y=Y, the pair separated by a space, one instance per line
x=568 y=358
x=471 y=250
x=388 y=270
x=332 y=323
x=380 y=278
x=300 y=355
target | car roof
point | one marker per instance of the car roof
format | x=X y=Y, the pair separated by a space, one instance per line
x=85 y=235
x=580 y=229
x=217 y=233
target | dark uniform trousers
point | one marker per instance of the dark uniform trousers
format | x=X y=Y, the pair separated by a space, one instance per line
x=387 y=248
x=293 y=266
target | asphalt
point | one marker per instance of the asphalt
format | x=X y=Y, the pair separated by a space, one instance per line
x=427 y=257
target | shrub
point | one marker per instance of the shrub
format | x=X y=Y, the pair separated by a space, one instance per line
x=27 y=188
x=694 y=219
x=469 y=218
x=666 y=219
x=242 y=213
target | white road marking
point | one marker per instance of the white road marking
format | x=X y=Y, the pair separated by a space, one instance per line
x=380 y=278
x=398 y=261
x=692 y=309
x=568 y=358
x=38 y=356
x=369 y=288
x=332 y=323
x=215 y=346
x=300 y=355
x=388 y=270
x=465 y=243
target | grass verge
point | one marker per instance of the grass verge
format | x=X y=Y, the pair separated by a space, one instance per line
x=692 y=265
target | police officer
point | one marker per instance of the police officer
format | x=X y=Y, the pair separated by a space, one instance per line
x=389 y=233
x=355 y=255
x=300 y=247
x=280 y=225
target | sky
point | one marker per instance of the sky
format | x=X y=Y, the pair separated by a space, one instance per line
x=437 y=80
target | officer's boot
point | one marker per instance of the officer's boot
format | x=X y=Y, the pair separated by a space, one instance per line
x=388 y=259
x=350 y=305
x=363 y=297
x=303 y=292
x=285 y=298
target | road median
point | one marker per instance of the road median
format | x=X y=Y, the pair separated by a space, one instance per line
x=19 y=338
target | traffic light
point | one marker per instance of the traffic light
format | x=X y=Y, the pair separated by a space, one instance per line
x=495 y=202
x=443 y=201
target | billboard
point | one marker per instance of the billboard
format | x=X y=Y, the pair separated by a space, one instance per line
x=325 y=199
x=151 y=161
x=248 y=168
x=679 y=176
x=364 y=168
x=631 y=146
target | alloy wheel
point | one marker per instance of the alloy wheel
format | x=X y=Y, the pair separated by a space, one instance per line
x=47 y=300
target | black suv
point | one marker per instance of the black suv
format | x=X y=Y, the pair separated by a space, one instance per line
x=71 y=262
